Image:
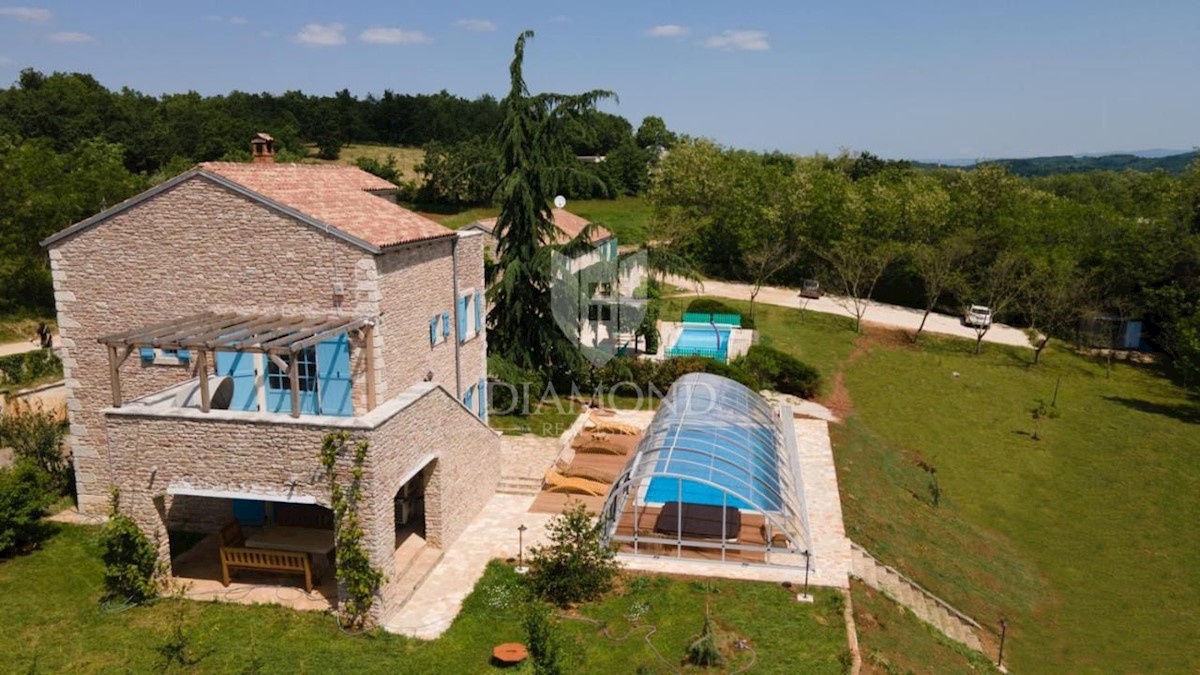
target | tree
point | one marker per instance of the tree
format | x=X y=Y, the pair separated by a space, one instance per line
x=939 y=266
x=998 y=286
x=534 y=157
x=653 y=134
x=856 y=265
x=36 y=435
x=1052 y=301
x=576 y=565
x=770 y=252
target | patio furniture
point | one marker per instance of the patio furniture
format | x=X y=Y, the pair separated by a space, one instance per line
x=510 y=653
x=293 y=539
x=265 y=560
x=556 y=482
x=231 y=534
x=586 y=473
x=611 y=427
x=699 y=521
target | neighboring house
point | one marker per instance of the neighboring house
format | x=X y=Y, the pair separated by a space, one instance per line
x=566 y=223
x=216 y=327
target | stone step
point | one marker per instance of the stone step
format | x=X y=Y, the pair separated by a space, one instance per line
x=416 y=572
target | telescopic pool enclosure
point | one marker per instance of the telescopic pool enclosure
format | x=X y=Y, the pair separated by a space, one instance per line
x=715 y=477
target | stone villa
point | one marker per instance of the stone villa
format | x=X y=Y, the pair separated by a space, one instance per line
x=217 y=326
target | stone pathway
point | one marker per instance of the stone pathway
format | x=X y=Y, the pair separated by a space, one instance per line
x=925 y=605
x=493 y=534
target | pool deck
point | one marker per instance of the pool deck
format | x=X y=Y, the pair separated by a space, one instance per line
x=740 y=339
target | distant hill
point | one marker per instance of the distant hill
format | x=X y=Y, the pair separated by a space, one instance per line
x=1046 y=166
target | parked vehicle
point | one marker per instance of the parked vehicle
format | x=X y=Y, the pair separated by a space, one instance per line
x=810 y=289
x=978 y=316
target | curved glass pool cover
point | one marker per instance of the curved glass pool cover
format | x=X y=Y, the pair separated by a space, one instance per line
x=716 y=473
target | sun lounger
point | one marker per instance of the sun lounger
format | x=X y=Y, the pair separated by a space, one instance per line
x=556 y=482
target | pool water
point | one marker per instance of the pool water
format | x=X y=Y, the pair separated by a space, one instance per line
x=703 y=338
x=703 y=455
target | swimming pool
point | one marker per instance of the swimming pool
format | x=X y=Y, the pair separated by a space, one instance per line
x=717 y=455
x=702 y=340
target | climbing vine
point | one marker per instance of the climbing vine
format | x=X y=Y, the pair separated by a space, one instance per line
x=355 y=574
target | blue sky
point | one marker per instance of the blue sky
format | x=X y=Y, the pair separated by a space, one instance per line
x=917 y=79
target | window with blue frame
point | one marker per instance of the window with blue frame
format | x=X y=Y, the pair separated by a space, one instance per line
x=279 y=386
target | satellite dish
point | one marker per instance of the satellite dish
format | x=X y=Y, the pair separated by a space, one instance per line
x=560 y=201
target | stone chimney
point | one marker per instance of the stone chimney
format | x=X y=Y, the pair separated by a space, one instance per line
x=262 y=146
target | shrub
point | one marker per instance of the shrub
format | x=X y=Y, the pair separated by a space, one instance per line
x=512 y=390
x=130 y=558
x=770 y=368
x=24 y=496
x=703 y=651
x=37 y=435
x=660 y=375
x=20 y=369
x=577 y=565
x=545 y=648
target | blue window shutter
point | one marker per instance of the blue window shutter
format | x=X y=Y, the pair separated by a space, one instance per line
x=462 y=319
x=467 y=398
x=483 y=398
x=240 y=367
x=479 y=311
x=183 y=355
x=333 y=376
x=146 y=353
x=445 y=324
x=433 y=330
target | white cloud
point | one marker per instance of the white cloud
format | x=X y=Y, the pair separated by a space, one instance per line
x=322 y=34
x=476 y=25
x=668 y=30
x=239 y=20
x=70 y=37
x=746 y=40
x=394 y=36
x=36 y=14
x=236 y=20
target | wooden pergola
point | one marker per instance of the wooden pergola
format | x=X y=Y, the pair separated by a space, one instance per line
x=274 y=335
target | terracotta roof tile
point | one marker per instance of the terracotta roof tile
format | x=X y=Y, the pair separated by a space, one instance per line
x=339 y=196
x=569 y=226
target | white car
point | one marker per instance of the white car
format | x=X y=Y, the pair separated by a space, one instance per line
x=978 y=316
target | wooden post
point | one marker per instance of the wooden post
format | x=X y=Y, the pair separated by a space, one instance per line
x=114 y=374
x=202 y=371
x=369 y=364
x=294 y=381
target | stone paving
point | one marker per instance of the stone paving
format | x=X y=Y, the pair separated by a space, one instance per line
x=492 y=535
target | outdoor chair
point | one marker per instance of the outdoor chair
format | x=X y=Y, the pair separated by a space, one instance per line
x=556 y=482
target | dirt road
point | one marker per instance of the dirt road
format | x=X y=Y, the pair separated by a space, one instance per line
x=878 y=313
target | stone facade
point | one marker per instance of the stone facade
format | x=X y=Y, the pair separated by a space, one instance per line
x=199 y=246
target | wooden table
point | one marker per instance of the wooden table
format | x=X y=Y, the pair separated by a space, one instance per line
x=510 y=653
x=297 y=539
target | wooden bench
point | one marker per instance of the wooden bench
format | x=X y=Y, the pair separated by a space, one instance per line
x=266 y=560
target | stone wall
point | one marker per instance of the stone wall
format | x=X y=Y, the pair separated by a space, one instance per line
x=465 y=465
x=193 y=248
x=278 y=456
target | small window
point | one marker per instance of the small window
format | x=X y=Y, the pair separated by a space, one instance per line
x=278 y=378
x=469 y=316
x=164 y=357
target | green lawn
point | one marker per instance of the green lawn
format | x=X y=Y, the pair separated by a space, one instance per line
x=893 y=640
x=406 y=158
x=1088 y=541
x=53 y=622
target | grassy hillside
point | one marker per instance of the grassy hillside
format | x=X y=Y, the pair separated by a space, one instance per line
x=406 y=158
x=1086 y=540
